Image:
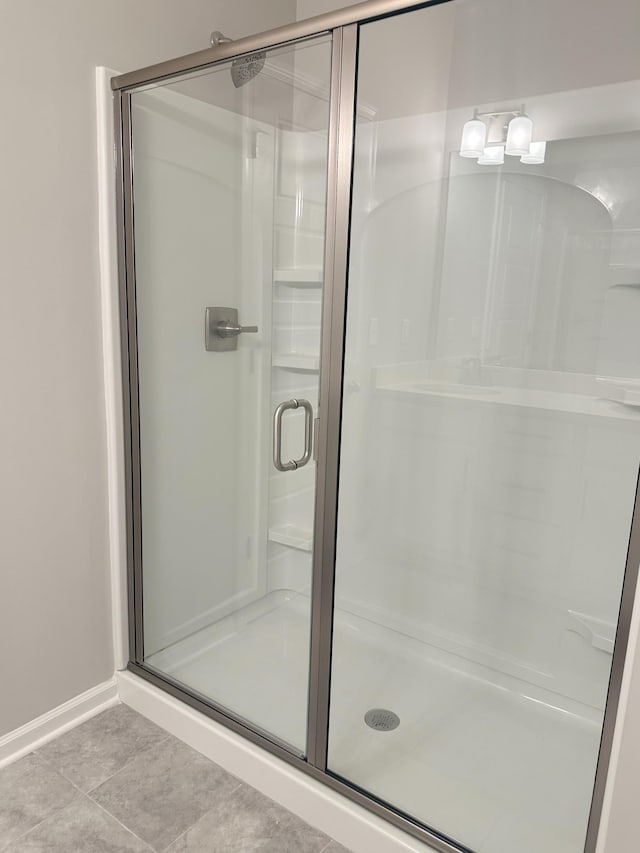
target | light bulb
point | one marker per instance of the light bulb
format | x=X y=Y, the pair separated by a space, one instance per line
x=493 y=155
x=535 y=155
x=519 y=136
x=474 y=136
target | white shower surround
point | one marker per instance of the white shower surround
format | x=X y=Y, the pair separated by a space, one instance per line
x=155 y=704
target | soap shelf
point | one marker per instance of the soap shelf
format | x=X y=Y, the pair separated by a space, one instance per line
x=297 y=361
x=295 y=537
x=620 y=391
x=599 y=633
x=300 y=277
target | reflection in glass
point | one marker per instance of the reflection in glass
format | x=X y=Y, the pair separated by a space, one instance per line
x=491 y=420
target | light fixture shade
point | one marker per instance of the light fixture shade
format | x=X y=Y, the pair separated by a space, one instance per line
x=474 y=136
x=493 y=155
x=519 y=136
x=535 y=155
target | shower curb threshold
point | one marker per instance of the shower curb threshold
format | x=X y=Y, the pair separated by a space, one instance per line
x=321 y=807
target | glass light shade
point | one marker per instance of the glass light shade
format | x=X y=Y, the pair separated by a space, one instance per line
x=519 y=136
x=536 y=154
x=493 y=155
x=474 y=136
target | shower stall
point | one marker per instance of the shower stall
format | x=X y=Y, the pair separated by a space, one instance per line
x=380 y=301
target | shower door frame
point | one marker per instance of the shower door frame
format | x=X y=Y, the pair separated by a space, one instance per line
x=343 y=26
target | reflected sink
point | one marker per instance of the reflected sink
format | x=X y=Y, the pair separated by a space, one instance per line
x=456 y=389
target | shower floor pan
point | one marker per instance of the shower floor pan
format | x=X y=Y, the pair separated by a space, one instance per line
x=480 y=762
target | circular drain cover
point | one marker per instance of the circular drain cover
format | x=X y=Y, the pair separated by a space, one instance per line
x=381 y=719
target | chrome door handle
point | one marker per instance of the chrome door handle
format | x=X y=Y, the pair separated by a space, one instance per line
x=293 y=464
x=228 y=330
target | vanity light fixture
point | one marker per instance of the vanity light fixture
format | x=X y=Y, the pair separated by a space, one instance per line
x=474 y=136
x=536 y=154
x=488 y=136
x=493 y=155
x=519 y=134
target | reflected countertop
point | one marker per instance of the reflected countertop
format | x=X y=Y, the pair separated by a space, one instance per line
x=602 y=397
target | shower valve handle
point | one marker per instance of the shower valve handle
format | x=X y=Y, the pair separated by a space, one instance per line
x=229 y=330
x=222 y=329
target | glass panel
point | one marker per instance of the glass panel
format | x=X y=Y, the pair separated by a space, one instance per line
x=229 y=186
x=491 y=415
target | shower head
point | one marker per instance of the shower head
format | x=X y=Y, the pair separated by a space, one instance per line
x=245 y=68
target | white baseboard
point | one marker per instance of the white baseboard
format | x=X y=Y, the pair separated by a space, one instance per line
x=57 y=721
x=318 y=805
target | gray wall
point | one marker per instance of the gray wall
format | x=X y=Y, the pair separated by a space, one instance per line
x=55 y=634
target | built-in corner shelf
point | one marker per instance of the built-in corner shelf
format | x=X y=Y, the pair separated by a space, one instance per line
x=622 y=391
x=294 y=537
x=600 y=634
x=297 y=361
x=632 y=284
x=299 y=277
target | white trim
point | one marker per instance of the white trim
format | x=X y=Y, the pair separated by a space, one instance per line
x=348 y=823
x=111 y=363
x=35 y=734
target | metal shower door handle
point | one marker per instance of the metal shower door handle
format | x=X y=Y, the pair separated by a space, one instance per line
x=293 y=464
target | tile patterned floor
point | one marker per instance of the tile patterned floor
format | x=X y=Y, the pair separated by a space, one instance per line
x=119 y=783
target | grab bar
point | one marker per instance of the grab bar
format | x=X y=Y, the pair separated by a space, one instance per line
x=293 y=464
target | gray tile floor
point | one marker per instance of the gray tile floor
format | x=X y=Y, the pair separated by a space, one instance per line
x=120 y=783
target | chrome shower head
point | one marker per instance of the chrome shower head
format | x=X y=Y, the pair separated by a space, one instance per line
x=245 y=68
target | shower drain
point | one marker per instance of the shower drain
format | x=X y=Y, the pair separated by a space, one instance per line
x=382 y=720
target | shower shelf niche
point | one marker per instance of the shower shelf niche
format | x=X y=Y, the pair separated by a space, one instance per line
x=297 y=361
x=622 y=391
x=295 y=537
x=599 y=633
x=300 y=277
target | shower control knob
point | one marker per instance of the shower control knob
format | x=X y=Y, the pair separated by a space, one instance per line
x=222 y=329
x=227 y=330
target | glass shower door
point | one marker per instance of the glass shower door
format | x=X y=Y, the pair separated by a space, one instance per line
x=490 y=436
x=229 y=186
